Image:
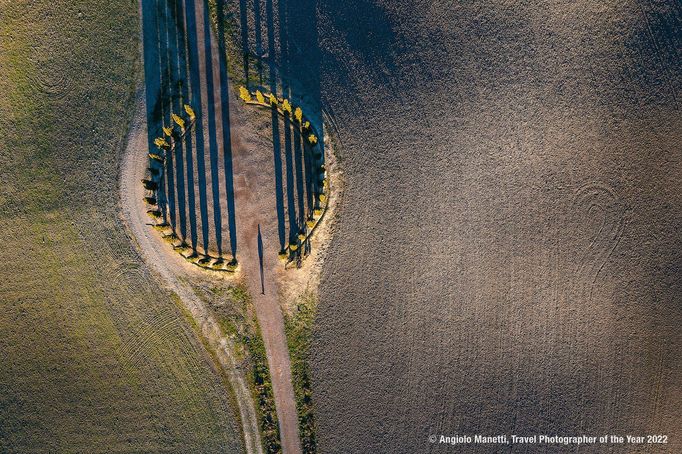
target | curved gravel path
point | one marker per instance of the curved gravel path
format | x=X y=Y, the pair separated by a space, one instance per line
x=171 y=267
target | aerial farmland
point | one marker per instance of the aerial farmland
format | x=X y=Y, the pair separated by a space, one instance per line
x=325 y=226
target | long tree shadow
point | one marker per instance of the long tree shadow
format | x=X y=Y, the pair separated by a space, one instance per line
x=169 y=81
x=227 y=140
x=172 y=58
x=293 y=61
x=277 y=150
x=188 y=177
x=195 y=89
x=179 y=99
x=189 y=142
x=212 y=134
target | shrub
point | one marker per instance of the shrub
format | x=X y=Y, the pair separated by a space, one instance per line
x=190 y=112
x=244 y=94
x=306 y=126
x=161 y=142
x=150 y=185
x=317 y=212
x=298 y=114
x=283 y=254
x=150 y=200
x=180 y=122
x=232 y=267
x=168 y=130
x=157 y=157
x=170 y=238
x=322 y=198
x=301 y=237
x=181 y=248
x=273 y=100
x=310 y=223
x=286 y=107
x=259 y=97
x=154 y=213
x=312 y=138
x=293 y=247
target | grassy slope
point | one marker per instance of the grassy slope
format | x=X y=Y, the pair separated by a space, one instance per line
x=299 y=330
x=94 y=356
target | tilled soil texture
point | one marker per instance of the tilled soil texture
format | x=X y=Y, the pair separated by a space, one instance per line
x=507 y=257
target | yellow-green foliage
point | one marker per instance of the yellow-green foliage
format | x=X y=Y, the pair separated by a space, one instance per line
x=168 y=130
x=293 y=246
x=94 y=355
x=245 y=94
x=273 y=99
x=286 y=107
x=312 y=138
x=190 y=112
x=310 y=224
x=298 y=114
x=156 y=157
x=179 y=121
x=260 y=97
x=322 y=198
x=161 y=142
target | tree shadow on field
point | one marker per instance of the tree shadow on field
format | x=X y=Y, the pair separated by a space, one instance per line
x=300 y=61
x=179 y=77
x=172 y=57
x=227 y=140
x=212 y=134
x=198 y=131
x=293 y=72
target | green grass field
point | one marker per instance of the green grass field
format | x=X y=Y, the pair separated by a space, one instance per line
x=299 y=330
x=94 y=357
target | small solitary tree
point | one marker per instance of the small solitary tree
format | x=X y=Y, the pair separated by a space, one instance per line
x=156 y=157
x=190 y=112
x=244 y=94
x=179 y=121
x=150 y=185
x=259 y=97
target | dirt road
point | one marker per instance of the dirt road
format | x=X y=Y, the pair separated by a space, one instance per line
x=228 y=172
x=255 y=206
x=174 y=271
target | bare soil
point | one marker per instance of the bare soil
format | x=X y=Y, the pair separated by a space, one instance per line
x=262 y=164
x=507 y=256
